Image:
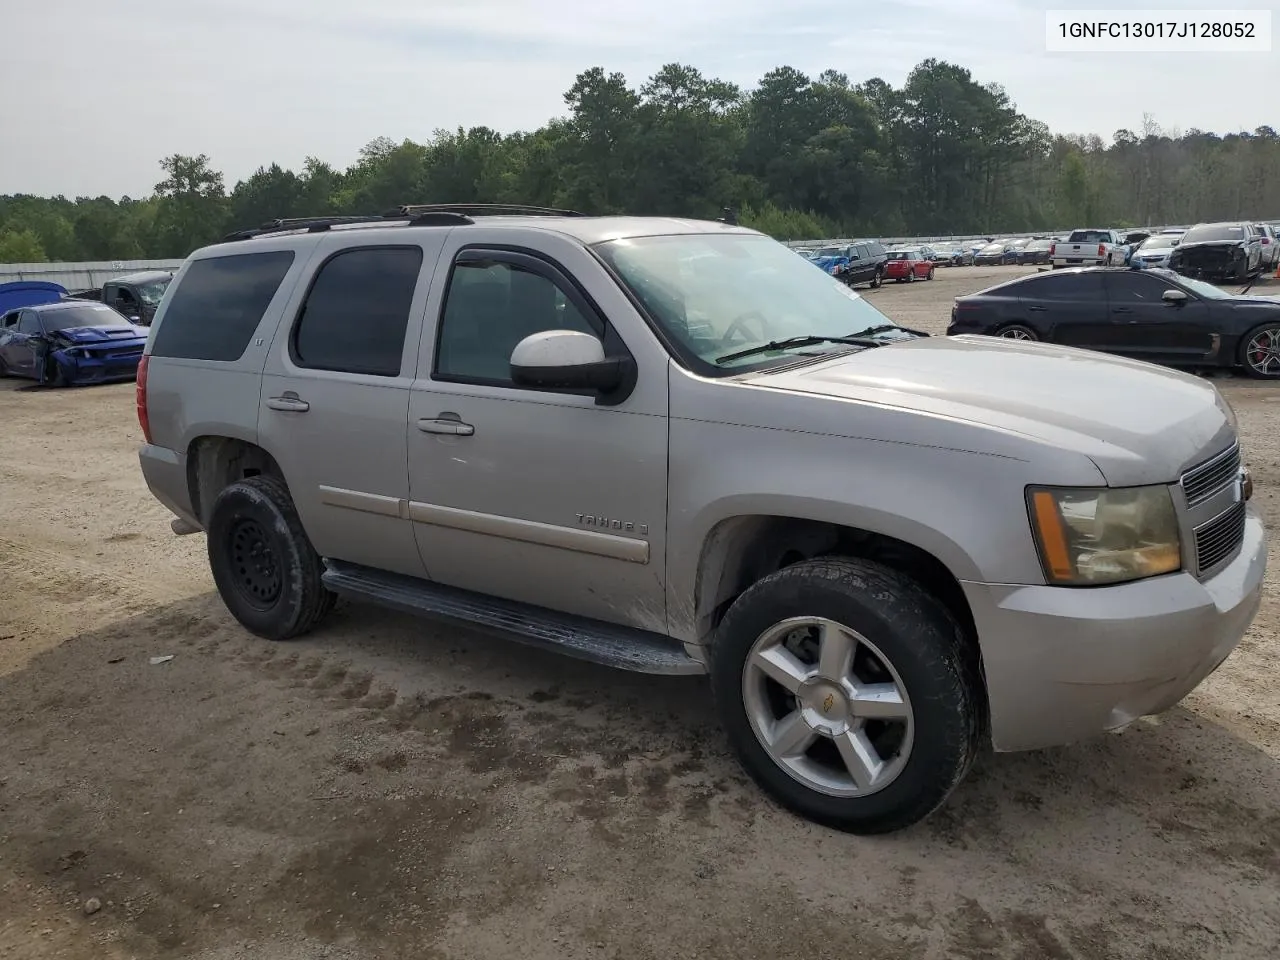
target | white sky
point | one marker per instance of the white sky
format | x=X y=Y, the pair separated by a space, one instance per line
x=93 y=94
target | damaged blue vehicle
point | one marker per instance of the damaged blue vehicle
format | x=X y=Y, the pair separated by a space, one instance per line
x=70 y=342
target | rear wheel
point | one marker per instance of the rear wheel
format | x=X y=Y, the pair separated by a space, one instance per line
x=265 y=568
x=1017 y=331
x=911 y=276
x=848 y=693
x=1260 y=352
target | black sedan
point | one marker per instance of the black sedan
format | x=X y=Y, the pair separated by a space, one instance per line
x=1153 y=315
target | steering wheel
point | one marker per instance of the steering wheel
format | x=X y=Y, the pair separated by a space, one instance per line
x=737 y=328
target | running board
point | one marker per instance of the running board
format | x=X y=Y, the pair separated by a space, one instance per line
x=625 y=648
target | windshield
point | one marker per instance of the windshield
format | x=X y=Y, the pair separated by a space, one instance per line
x=151 y=293
x=904 y=254
x=993 y=248
x=1202 y=289
x=1159 y=242
x=1089 y=236
x=1214 y=233
x=828 y=252
x=720 y=293
x=89 y=315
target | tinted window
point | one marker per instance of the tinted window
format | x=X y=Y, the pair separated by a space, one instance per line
x=1089 y=236
x=492 y=307
x=29 y=322
x=1061 y=286
x=357 y=310
x=218 y=305
x=1214 y=233
x=1136 y=287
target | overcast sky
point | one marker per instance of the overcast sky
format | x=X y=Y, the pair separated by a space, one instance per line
x=93 y=94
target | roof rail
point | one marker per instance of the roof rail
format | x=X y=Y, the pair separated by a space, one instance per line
x=417 y=215
x=481 y=210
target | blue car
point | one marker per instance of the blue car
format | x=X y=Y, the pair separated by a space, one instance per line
x=70 y=342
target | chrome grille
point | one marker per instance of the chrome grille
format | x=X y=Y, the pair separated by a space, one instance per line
x=1202 y=482
x=1217 y=539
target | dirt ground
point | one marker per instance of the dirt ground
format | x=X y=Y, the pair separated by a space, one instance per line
x=387 y=789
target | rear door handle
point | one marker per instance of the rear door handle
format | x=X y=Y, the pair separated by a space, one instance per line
x=447 y=426
x=288 y=403
x=1036 y=309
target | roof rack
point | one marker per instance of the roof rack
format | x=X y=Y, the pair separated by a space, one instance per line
x=481 y=210
x=416 y=215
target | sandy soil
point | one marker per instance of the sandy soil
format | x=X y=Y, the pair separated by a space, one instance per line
x=388 y=789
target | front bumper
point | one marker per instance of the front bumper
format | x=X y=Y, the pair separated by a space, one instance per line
x=1066 y=664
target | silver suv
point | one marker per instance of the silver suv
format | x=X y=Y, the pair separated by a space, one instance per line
x=673 y=446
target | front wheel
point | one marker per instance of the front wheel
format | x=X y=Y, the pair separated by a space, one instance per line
x=848 y=693
x=1260 y=352
x=262 y=561
x=929 y=275
x=911 y=276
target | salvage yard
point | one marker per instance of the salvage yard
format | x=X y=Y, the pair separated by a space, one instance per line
x=388 y=789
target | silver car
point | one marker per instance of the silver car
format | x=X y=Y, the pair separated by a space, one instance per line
x=673 y=446
x=1155 y=250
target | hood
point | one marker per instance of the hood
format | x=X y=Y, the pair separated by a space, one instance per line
x=122 y=332
x=1137 y=422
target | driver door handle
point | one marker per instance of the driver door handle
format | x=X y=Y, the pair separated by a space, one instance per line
x=289 y=402
x=447 y=426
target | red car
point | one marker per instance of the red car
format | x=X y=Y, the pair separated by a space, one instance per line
x=908 y=265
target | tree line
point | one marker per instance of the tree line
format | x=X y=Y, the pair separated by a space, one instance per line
x=797 y=157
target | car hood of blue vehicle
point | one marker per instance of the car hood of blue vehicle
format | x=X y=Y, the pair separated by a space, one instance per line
x=111 y=334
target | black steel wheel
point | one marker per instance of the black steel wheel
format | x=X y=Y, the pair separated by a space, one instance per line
x=266 y=570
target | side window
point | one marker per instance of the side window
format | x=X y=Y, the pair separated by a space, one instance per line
x=357 y=310
x=1060 y=286
x=1135 y=287
x=9 y=320
x=489 y=308
x=29 y=322
x=218 y=305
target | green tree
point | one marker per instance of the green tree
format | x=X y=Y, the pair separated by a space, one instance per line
x=21 y=247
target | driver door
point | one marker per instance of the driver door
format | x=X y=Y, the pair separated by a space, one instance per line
x=541 y=496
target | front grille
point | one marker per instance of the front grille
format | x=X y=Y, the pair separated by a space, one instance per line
x=1203 y=481
x=1218 y=539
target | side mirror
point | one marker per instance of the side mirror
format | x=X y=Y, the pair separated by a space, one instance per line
x=1176 y=297
x=564 y=359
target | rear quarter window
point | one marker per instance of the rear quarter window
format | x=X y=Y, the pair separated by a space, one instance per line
x=218 y=304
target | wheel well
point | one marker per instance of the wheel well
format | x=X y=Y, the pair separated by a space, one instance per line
x=216 y=462
x=743 y=550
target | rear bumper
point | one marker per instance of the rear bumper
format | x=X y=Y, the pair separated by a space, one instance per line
x=165 y=472
x=1066 y=664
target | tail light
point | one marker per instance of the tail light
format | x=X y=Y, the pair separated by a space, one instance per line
x=140 y=398
x=1052 y=248
x=1102 y=249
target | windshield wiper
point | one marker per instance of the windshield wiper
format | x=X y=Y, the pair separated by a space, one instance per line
x=803 y=341
x=886 y=328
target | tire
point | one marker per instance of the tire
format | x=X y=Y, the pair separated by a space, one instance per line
x=255 y=520
x=910 y=277
x=896 y=631
x=1247 y=357
x=929 y=275
x=877 y=280
x=1017 y=331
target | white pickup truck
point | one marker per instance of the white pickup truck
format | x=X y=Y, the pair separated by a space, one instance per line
x=1088 y=248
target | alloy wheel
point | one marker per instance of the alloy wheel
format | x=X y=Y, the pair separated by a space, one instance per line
x=828 y=707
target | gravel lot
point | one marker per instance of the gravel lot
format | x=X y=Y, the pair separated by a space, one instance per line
x=385 y=789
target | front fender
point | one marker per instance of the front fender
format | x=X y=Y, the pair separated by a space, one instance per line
x=967 y=510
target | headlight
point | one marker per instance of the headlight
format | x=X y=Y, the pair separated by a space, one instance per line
x=1103 y=535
